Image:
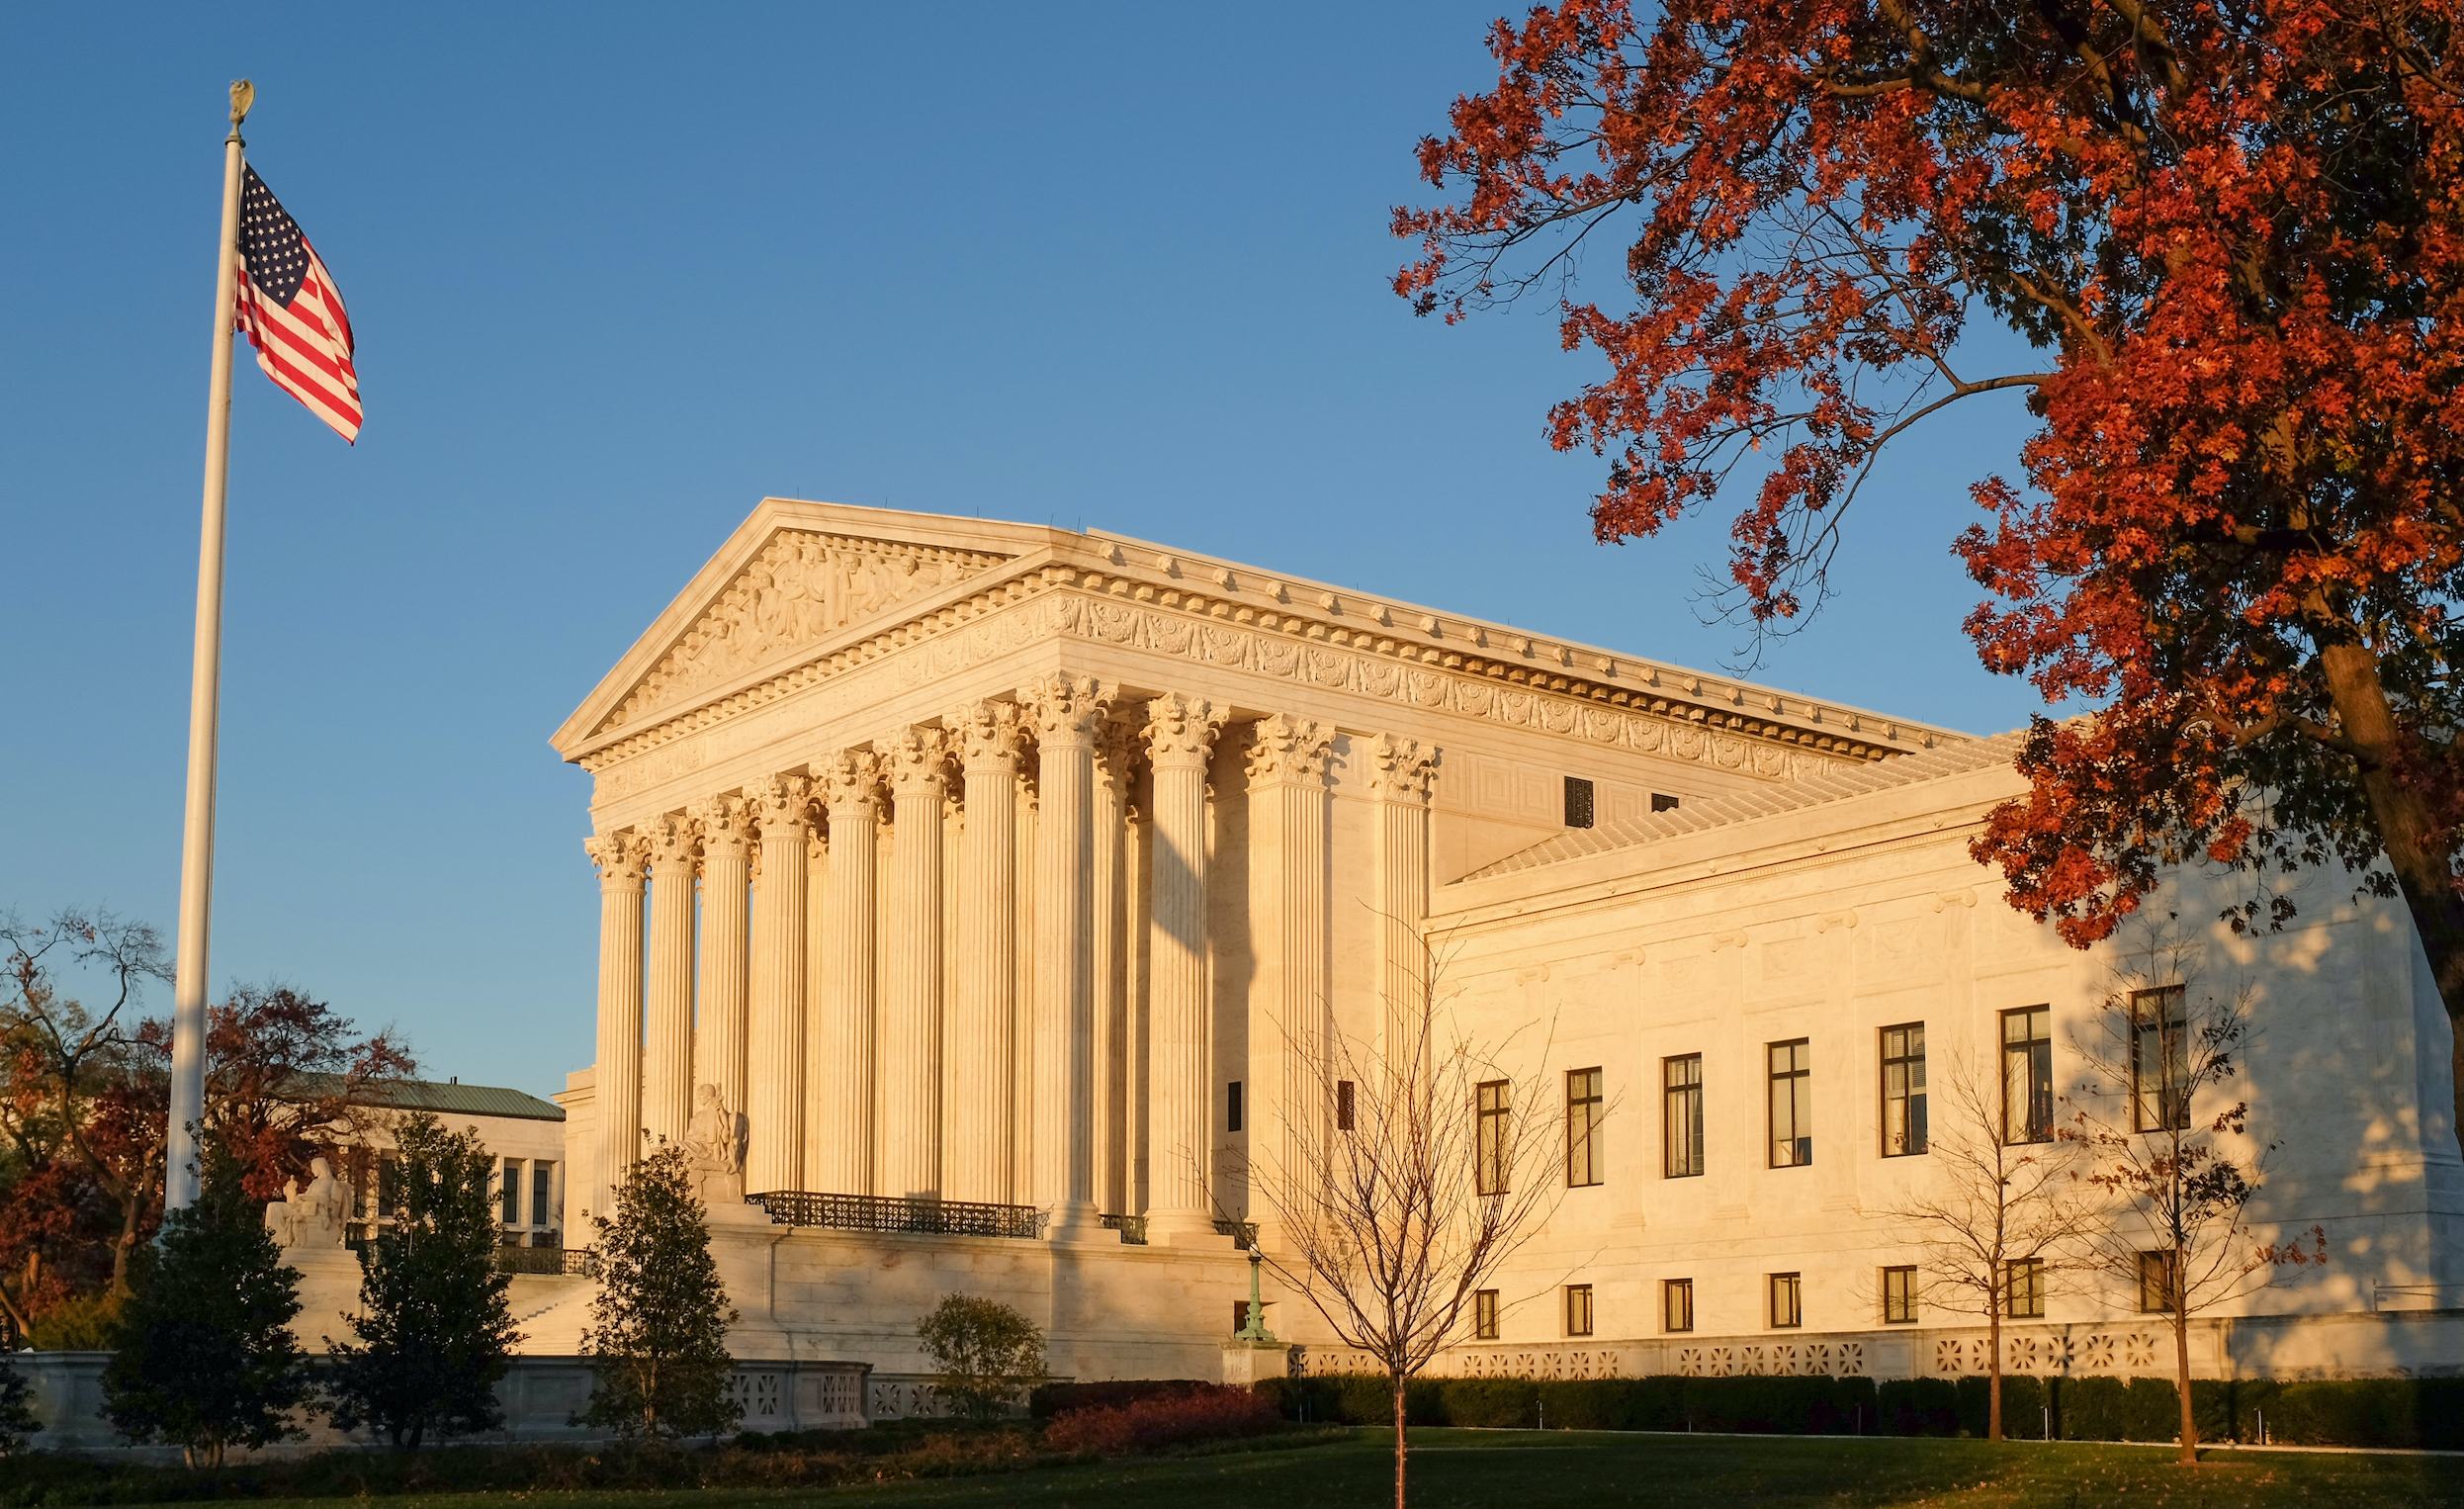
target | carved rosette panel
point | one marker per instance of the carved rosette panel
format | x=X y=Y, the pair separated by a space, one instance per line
x=803 y=588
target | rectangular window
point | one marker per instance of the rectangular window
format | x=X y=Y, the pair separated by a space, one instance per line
x=1232 y=1106
x=543 y=1194
x=2156 y=1282
x=389 y=1182
x=1792 y=1104
x=511 y=1192
x=1496 y=1137
x=1788 y=1301
x=1898 y=1296
x=1578 y=1309
x=1683 y=1103
x=1676 y=1304
x=1485 y=1315
x=1578 y=802
x=1903 y=1089
x=1343 y=1105
x=2159 y=1060
x=2023 y=1290
x=1582 y=1128
x=1661 y=803
x=2028 y=1075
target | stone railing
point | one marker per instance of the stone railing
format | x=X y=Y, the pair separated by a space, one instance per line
x=891 y=1213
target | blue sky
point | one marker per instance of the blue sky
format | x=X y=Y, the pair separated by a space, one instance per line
x=619 y=272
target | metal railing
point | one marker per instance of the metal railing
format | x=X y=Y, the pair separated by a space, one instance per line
x=895 y=1213
x=579 y=1262
x=1131 y=1227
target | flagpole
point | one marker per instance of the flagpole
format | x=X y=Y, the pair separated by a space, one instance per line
x=188 y=991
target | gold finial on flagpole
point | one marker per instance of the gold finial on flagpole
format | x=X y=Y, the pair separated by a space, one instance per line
x=243 y=95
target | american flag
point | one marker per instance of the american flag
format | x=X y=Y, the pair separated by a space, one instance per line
x=293 y=313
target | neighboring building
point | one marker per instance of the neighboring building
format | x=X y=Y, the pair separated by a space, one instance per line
x=523 y=1134
x=993 y=873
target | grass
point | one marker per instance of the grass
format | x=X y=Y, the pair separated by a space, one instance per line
x=1486 y=1468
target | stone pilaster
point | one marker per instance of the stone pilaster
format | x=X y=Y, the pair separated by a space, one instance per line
x=842 y=1097
x=668 y=1043
x=1115 y=747
x=1289 y=1001
x=616 y=1096
x=774 y=1023
x=907 y=1092
x=719 y=999
x=1180 y=735
x=1399 y=774
x=980 y=1049
x=1066 y=710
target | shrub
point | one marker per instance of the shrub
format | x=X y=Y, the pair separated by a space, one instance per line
x=657 y=1342
x=1050 y=1399
x=82 y=1324
x=984 y=1353
x=1208 y=1412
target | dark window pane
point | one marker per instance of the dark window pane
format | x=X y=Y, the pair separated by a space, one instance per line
x=1578 y=802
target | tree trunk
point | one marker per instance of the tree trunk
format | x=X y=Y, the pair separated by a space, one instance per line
x=1994 y=1372
x=2181 y=1367
x=1400 y=1442
x=2407 y=825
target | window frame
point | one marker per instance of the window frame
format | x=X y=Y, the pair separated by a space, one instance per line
x=1235 y=1106
x=2159 y=1264
x=1798 y=1079
x=1494 y=1144
x=1345 y=1113
x=1899 y=1304
x=1485 y=1315
x=1792 y=1286
x=1674 y=1094
x=1909 y=1096
x=1584 y=1150
x=542 y=1212
x=510 y=1192
x=2031 y=1269
x=1578 y=1317
x=1582 y=802
x=2168 y=1025
x=1677 y=1306
x=2034 y=1049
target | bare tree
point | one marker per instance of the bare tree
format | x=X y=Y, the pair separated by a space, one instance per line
x=2176 y=1159
x=1997 y=1202
x=1421 y=1169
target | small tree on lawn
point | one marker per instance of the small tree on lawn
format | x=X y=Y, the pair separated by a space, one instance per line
x=1994 y=1203
x=206 y=1358
x=17 y=1414
x=657 y=1338
x=1420 y=1171
x=434 y=1331
x=2176 y=1160
x=984 y=1353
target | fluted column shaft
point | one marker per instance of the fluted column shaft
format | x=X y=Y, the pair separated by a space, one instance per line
x=981 y=1047
x=667 y=1045
x=907 y=1092
x=844 y=1099
x=1066 y=710
x=1399 y=776
x=1180 y=735
x=774 y=1019
x=616 y=1098
x=1115 y=745
x=721 y=998
x=815 y=1005
x=1287 y=1023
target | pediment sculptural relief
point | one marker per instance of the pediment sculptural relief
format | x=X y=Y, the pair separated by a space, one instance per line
x=801 y=588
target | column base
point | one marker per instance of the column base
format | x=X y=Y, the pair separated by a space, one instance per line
x=1080 y=1223
x=1187 y=1229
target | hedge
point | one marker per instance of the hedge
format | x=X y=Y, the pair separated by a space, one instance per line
x=2365 y=1412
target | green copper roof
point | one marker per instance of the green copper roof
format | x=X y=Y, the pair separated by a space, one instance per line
x=445 y=1099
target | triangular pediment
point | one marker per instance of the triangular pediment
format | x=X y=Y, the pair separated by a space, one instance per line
x=797 y=577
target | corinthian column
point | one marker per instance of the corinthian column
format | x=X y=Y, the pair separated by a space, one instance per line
x=774 y=1023
x=1066 y=710
x=980 y=1046
x=667 y=1049
x=1399 y=773
x=616 y=1096
x=907 y=1093
x=1115 y=746
x=844 y=1097
x=719 y=1005
x=1288 y=1016
x=1181 y=733
x=814 y=1008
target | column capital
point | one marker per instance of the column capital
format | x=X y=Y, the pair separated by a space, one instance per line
x=990 y=735
x=849 y=779
x=778 y=803
x=722 y=823
x=1181 y=730
x=1065 y=708
x=619 y=858
x=1116 y=750
x=919 y=761
x=1400 y=770
x=1287 y=750
x=673 y=842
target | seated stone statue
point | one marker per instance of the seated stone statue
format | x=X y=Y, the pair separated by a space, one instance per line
x=714 y=1150
x=311 y=1217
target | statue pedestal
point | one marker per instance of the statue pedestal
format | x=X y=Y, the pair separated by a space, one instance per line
x=328 y=1295
x=1250 y=1362
x=723 y=1213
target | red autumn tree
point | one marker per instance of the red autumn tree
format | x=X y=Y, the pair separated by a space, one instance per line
x=2229 y=241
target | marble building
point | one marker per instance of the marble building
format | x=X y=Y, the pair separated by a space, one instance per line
x=986 y=882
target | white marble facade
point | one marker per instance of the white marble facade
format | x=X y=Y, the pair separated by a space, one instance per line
x=978 y=862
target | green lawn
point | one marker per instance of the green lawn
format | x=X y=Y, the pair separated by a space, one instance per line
x=1494 y=1469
